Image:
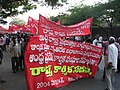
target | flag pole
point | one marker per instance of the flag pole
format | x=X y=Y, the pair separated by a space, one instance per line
x=38 y=32
x=91 y=27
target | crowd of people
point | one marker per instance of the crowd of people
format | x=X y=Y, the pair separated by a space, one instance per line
x=15 y=45
x=111 y=54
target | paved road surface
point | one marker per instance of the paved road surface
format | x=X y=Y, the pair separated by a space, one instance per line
x=17 y=81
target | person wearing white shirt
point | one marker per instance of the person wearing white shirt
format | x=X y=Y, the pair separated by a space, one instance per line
x=18 y=44
x=111 y=65
x=100 y=40
x=78 y=38
x=96 y=40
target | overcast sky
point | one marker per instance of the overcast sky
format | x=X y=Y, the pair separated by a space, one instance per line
x=47 y=11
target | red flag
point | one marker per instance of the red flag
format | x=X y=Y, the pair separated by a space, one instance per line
x=15 y=27
x=34 y=24
x=58 y=22
x=3 y=30
x=32 y=21
x=10 y=29
x=29 y=28
x=89 y=21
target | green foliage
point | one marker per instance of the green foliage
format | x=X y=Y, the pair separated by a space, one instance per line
x=115 y=6
x=54 y=3
x=77 y=14
x=55 y=19
x=104 y=14
x=18 y=21
x=9 y=8
x=107 y=15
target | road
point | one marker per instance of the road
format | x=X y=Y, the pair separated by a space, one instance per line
x=16 y=81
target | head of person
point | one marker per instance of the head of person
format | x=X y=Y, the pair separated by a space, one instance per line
x=100 y=38
x=111 y=40
x=97 y=36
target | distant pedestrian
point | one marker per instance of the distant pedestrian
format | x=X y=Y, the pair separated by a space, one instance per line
x=18 y=44
x=111 y=64
x=118 y=46
x=96 y=40
x=1 y=57
x=100 y=40
x=14 y=58
x=105 y=55
x=1 y=42
x=7 y=43
x=22 y=53
x=88 y=39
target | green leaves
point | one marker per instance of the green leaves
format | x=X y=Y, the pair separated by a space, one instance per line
x=18 y=21
x=11 y=8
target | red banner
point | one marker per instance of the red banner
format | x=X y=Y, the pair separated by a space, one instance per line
x=34 y=25
x=3 y=30
x=15 y=27
x=52 y=62
x=50 y=28
x=29 y=28
x=32 y=22
x=58 y=22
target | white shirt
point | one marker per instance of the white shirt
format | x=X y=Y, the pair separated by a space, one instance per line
x=95 y=42
x=18 y=48
x=100 y=40
x=77 y=38
x=113 y=54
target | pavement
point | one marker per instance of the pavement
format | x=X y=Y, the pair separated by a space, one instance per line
x=16 y=81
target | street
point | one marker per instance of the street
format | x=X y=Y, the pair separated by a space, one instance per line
x=16 y=81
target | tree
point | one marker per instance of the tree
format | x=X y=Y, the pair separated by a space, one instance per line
x=9 y=8
x=104 y=15
x=107 y=14
x=18 y=21
x=53 y=3
x=61 y=17
x=76 y=14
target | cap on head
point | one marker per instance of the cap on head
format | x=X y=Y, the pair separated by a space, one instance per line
x=100 y=38
x=111 y=39
x=119 y=38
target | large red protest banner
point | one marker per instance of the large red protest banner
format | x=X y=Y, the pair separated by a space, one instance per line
x=50 y=28
x=53 y=62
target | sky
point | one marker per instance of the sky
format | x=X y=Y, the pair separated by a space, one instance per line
x=48 y=11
